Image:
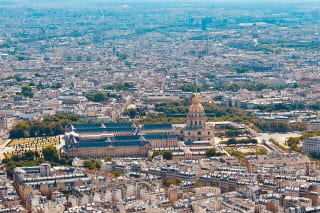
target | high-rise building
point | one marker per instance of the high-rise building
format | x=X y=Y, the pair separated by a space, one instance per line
x=3 y=122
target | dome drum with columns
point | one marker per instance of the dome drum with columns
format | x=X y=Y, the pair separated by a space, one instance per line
x=196 y=117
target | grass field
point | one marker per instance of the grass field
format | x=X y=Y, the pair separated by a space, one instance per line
x=8 y=155
x=34 y=142
x=246 y=149
x=241 y=152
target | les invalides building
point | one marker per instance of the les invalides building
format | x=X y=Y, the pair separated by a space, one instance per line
x=196 y=129
x=187 y=141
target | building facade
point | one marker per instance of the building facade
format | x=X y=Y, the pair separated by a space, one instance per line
x=313 y=125
x=196 y=128
x=131 y=140
x=311 y=145
x=3 y=122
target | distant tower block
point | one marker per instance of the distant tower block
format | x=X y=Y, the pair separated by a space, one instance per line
x=3 y=122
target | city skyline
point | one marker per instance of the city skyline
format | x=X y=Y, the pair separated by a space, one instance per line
x=159 y=106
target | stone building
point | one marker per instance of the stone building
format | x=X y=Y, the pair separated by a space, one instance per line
x=3 y=122
x=131 y=140
x=313 y=125
x=114 y=149
x=311 y=145
x=196 y=128
x=148 y=129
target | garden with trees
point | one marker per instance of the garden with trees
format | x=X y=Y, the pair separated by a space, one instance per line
x=100 y=96
x=34 y=158
x=254 y=150
x=31 y=144
x=49 y=126
x=97 y=97
x=167 y=155
x=233 y=141
x=211 y=152
x=119 y=86
x=176 y=112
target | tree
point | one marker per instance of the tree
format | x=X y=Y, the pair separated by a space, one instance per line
x=198 y=184
x=92 y=165
x=155 y=153
x=179 y=180
x=56 y=86
x=29 y=156
x=88 y=163
x=49 y=126
x=241 y=141
x=211 y=152
x=15 y=158
x=233 y=88
x=98 y=165
x=117 y=173
x=190 y=88
x=169 y=182
x=50 y=153
x=63 y=161
x=293 y=140
x=26 y=91
x=109 y=158
x=131 y=112
x=21 y=130
x=37 y=129
x=120 y=86
x=99 y=97
x=16 y=133
x=261 y=86
x=167 y=155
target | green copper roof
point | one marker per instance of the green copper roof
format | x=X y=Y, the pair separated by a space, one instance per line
x=127 y=137
x=158 y=136
x=109 y=130
x=119 y=125
x=87 y=126
x=156 y=126
x=116 y=144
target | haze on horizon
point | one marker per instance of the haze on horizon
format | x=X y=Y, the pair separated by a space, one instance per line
x=21 y=2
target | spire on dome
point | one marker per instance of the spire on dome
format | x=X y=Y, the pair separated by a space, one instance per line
x=196 y=99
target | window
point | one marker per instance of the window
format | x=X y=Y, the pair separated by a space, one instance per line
x=199 y=139
x=199 y=133
x=199 y=122
x=208 y=133
x=195 y=123
x=188 y=133
x=191 y=122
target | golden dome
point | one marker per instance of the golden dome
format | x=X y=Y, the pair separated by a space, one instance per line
x=196 y=106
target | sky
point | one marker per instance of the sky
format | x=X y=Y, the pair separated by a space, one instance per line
x=210 y=1
x=3 y=3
